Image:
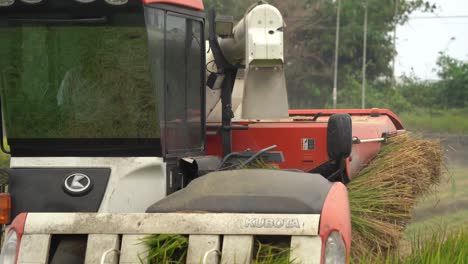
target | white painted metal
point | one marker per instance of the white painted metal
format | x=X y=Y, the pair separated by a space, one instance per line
x=306 y=249
x=265 y=93
x=34 y=249
x=237 y=249
x=133 y=249
x=356 y=140
x=264 y=36
x=6 y=2
x=203 y=249
x=102 y=247
x=135 y=182
x=204 y=230
x=257 y=42
x=172 y=223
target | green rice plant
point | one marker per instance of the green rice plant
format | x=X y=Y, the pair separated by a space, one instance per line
x=275 y=254
x=440 y=247
x=172 y=249
x=259 y=164
x=165 y=249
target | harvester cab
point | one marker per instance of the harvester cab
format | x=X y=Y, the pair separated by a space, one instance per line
x=126 y=119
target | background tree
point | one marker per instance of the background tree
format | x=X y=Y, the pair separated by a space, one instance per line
x=453 y=88
x=310 y=38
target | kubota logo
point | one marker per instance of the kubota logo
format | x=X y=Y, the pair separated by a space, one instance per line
x=77 y=184
x=270 y=223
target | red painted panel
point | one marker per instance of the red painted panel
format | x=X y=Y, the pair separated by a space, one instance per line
x=289 y=137
x=194 y=4
x=18 y=226
x=354 y=112
x=336 y=216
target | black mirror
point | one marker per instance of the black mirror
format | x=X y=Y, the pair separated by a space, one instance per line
x=339 y=136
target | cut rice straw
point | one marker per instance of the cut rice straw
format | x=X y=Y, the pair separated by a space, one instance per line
x=383 y=196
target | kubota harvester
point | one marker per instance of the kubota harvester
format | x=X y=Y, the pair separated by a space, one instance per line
x=126 y=119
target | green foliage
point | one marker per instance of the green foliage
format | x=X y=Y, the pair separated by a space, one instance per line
x=454 y=84
x=419 y=93
x=5 y=158
x=310 y=39
x=436 y=106
x=451 y=91
x=434 y=120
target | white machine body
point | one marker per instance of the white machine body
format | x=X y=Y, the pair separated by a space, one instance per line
x=134 y=184
x=260 y=90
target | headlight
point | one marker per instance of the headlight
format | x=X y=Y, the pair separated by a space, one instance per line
x=8 y=255
x=335 y=250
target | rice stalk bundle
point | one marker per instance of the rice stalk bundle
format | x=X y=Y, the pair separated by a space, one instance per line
x=383 y=196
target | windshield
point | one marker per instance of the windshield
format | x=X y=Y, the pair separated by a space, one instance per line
x=80 y=80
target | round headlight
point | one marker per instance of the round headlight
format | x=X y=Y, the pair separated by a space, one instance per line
x=335 y=250
x=8 y=255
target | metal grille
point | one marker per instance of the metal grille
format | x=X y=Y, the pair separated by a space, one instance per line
x=213 y=238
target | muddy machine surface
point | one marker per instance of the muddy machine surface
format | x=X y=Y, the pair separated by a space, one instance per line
x=128 y=118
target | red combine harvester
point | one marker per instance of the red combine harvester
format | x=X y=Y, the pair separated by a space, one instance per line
x=109 y=144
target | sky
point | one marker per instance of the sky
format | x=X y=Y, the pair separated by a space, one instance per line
x=421 y=39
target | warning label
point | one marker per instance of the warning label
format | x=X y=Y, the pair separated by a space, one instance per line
x=308 y=144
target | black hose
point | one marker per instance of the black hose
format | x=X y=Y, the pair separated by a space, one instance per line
x=252 y=158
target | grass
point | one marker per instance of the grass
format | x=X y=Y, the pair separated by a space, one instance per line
x=447 y=222
x=453 y=188
x=4 y=160
x=437 y=121
x=173 y=249
x=446 y=208
x=166 y=249
x=270 y=253
x=440 y=247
